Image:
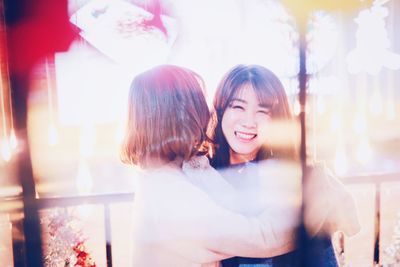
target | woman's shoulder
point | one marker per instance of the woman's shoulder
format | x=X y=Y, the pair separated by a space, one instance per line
x=160 y=178
x=196 y=163
x=199 y=171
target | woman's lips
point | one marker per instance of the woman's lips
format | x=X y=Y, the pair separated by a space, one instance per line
x=246 y=137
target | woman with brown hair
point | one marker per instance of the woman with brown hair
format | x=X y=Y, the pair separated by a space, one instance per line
x=181 y=207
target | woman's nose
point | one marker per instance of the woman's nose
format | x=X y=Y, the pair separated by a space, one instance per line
x=248 y=120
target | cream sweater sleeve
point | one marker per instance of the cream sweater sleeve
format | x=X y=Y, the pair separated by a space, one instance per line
x=340 y=204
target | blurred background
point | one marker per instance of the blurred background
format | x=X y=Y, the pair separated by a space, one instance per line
x=77 y=102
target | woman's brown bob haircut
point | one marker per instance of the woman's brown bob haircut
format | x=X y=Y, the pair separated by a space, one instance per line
x=167 y=116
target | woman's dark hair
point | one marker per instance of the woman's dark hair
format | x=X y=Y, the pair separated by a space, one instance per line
x=269 y=91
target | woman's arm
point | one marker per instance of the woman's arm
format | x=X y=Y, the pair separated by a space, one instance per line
x=191 y=224
x=328 y=199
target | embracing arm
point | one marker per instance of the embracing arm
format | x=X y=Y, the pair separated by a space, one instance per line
x=194 y=226
x=330 y=203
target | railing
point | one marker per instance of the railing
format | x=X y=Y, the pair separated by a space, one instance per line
x=377 y=179
x=62 y=202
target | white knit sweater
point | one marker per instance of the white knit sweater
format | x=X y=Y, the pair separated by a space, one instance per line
x=187 y=218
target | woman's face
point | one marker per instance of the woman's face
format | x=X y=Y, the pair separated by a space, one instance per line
x=242 y=122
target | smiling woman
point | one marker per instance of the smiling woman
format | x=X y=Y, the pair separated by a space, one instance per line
x=239 y=124
x=247 y=104
x=246 y=101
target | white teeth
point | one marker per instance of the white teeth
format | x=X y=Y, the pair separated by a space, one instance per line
x=245 y=135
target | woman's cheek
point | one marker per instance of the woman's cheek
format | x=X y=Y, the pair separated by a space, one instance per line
x=228 y=121
x=225 y=126
x=263 y=134
x=263 y=129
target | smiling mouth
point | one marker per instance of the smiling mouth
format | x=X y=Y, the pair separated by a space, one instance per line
x=245 y=136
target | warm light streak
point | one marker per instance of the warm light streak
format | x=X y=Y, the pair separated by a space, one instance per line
x=360 y=123
x=6 y=146
x=6 y=191
x=13 y=140
x=10 y=206
x=3 y=108
x=87 y=141
x=6 y=241
x=321 y=105
x=296 y=107
x=314 y=129
x=52 y=135
x=84 y=180
x=336 y=122
x=279 y=133
x=6 y=151
x=119 y=134
x=49 y=90
x=375 y=103
x=376 y=106
x=390 y=109
x=341 y=160
x=364 y=151
x=11 y=144
x=211 y=152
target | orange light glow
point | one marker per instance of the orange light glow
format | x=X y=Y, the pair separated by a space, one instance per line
x=341 y=160
x=6 y=151
x=13 y=140
x=84 y=180
x=364 y=151
x=52 y=135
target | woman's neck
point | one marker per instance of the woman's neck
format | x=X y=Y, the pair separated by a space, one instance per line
x=235 y=158
x=155 y=164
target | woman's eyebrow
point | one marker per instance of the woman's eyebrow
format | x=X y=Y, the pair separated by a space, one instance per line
x=239 y=100
x=265 y=105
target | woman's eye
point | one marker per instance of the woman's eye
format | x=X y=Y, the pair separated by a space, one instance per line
x=266 y=112
x=237 y=107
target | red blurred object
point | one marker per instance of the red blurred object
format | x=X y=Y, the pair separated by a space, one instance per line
x=156 y=20
x=36 y=29
x=83 y=259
